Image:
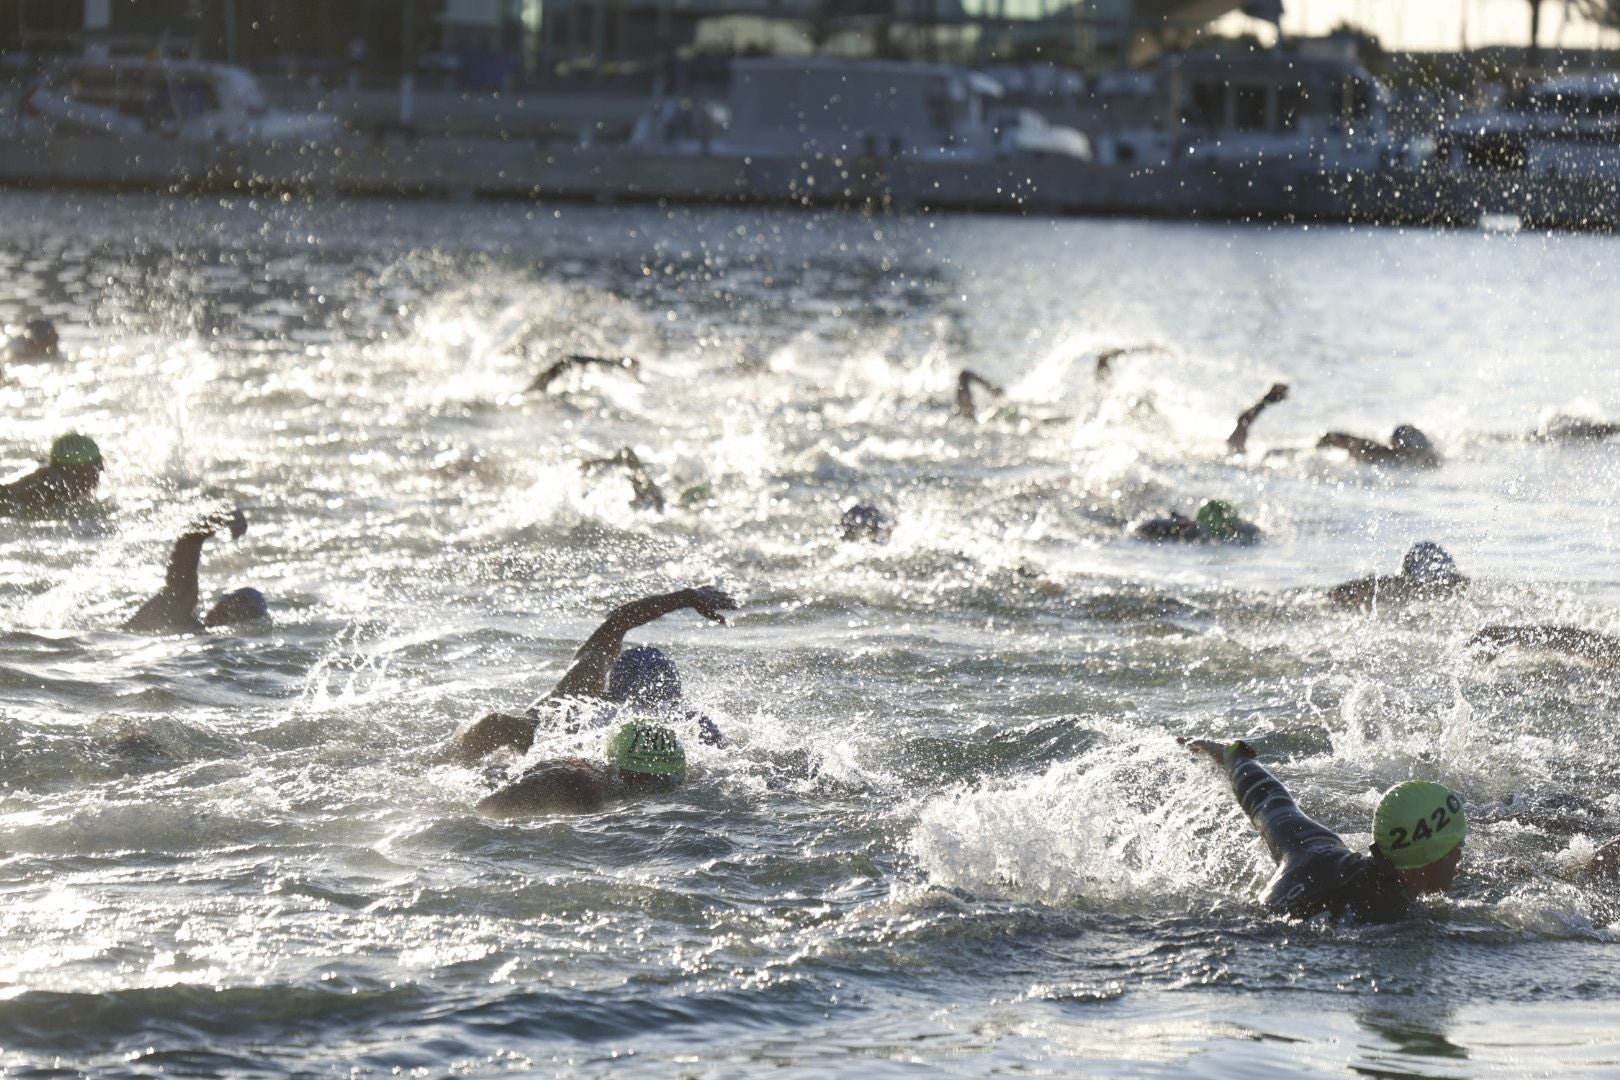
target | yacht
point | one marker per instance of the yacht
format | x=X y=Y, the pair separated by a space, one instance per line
x=1310 y=110
x=1563 y=126
x=780 y=107
x=187 y=100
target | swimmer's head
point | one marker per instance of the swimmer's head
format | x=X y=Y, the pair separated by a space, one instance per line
x=1410 y=440
x=1427 y=563
x=1218 y=518
x=243 y=605
x=40 y=336
x=644 y=676
x=863 y=521
x=74 y=449
x=1419 y=824
x=647 y=748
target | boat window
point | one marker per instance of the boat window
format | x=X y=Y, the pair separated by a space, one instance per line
x=1206 y=105
x=95 y=87
x=1249 y=113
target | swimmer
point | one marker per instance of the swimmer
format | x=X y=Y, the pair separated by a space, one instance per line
x=643 y=678
x=71 y=475
x=1418 y=832
x=1588 y=645
x=174 y=609
x=863 y=521
x=1407 y=446
x=965 y=382
x=644 y=757
x=38 y=342
x=644 y=492
x=1427 y=573
x=1238 y=441
x=1216 y=523
x=543 y=381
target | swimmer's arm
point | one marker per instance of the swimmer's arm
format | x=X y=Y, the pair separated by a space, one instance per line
x=1586 y=644
x=1280 y=821
x=965 y=382
x=1238 y=441
x=1361 y=592
x=181 y=575
x=544 y=380
x=1104 y=372
x=589 y=674
x=1357 y=447
x=497 y=731
x=645 y=493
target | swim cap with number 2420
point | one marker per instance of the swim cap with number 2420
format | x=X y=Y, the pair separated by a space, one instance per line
x=1418 y=823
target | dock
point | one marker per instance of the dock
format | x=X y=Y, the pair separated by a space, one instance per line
x=401 y=166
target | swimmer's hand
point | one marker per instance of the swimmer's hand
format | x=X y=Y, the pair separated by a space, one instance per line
x=1217 y=751
x=1278 y=392
x=232 y=519
x=709 y=602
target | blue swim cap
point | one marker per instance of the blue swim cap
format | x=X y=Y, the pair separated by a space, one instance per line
x=1428 y=564
x=644 y=676
x=1407 y=437
x=243 y=605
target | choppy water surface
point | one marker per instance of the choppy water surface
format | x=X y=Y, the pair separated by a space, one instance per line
x=953 y=833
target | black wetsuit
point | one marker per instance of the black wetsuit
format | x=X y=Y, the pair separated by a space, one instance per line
x=1179 y=528
x=1315 y=870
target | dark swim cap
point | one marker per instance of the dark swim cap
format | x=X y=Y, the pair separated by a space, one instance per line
x=75 y=449
x=1407 y=437
x=644 y=676
x=42 y=333
x=642 y=746
x=1428 y=564
x=243 y=605
x=863 y=521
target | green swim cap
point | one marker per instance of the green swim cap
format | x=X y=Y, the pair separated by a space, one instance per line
x=696 y=495
x=1218 y=518
x=1418 y=823
x=643 y=746
x=75 y=449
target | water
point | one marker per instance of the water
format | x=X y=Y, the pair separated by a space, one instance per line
x=953 y=833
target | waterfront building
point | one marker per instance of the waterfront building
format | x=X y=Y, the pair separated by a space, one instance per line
x=477 y=41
